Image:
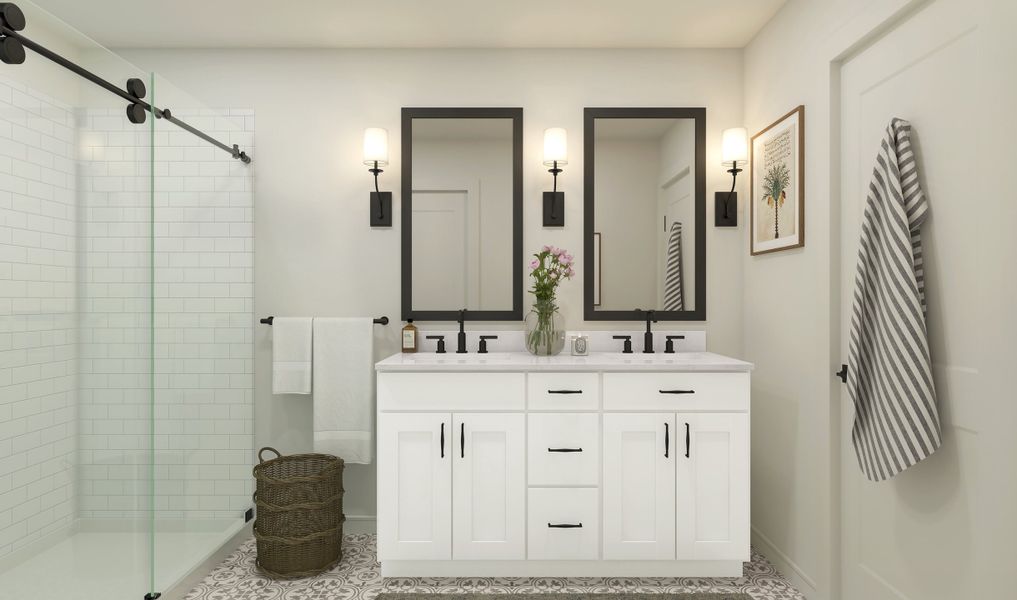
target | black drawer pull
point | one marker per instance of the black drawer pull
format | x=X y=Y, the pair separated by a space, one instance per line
x=564 y=525
x=677 y=391
x=564 y=449
x=564 y=391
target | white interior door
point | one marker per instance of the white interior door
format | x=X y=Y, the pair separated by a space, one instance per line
x=445 y=260
x=921 y=534
x=712 y=496
x=415 y=486
x=489 y=487
x=639 y=479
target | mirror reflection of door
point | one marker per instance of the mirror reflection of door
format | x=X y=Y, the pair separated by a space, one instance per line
x=645 y=190
x=462 y=205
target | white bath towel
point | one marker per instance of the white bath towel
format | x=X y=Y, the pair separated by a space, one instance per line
x=291 y=355
x=889 y=365
x=344 y=388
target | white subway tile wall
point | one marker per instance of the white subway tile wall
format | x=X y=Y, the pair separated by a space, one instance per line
x=202 y=295
x=38 y=322
x=77 y=294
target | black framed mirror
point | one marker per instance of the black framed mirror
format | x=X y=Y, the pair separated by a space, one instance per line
x=462 y=214
x=644 y=231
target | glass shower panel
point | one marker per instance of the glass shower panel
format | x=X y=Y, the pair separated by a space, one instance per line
x=203 y=332
x=75 y=326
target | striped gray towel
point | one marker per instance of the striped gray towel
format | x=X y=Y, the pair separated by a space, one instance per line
x=674 y=291
x=889 y=368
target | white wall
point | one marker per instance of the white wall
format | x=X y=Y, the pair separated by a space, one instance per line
x=626 y=217
x=315 y=252
x=792 y=323
x=482 y=169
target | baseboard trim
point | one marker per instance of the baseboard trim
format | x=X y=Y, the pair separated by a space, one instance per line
x=360 y=524
x=798 y=578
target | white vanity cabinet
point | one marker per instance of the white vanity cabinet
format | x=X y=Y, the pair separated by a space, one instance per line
x=434 y=461
x=510 y=465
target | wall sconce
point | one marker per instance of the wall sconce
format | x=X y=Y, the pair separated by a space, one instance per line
x=734 y=149
x=375 y=156
x=555 y=154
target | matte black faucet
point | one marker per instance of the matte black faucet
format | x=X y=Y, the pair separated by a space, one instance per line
x=648 y=336
x=461 y=343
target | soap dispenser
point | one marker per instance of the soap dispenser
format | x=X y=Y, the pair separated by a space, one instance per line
x=410 y=336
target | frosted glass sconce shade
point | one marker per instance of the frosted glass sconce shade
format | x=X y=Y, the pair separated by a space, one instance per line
x=555 y=146
x=734 y=146
x=376 y=146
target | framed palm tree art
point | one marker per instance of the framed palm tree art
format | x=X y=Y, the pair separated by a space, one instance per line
x=777 y=177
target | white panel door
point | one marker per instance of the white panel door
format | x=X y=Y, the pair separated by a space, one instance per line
x=713 y=486
x=414 y=486
x=444 y=259
x=944 y=528
x=489 y=486
x=639 y=480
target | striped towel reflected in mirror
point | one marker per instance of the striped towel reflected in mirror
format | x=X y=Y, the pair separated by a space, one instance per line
x=674 y=292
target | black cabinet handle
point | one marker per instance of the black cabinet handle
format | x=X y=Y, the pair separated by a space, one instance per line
x=667 y=439
x=564 y=525
x=564 y=391
x=564 y=449
x=687 y=440
x=443 y=440
x=462 y=440
x=677 y=391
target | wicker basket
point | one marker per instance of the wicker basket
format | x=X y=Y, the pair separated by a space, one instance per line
x=299 y=529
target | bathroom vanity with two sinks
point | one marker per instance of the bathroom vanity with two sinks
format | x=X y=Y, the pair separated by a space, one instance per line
x=507 y=464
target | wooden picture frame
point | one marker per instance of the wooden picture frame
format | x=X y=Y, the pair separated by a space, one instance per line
x=777 y=185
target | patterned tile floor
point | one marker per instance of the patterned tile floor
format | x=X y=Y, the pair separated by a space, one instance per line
x=358 y=578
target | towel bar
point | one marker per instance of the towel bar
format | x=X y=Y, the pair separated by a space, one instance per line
x=378 y=321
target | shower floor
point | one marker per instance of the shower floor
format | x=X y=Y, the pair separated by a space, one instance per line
x=107 y=561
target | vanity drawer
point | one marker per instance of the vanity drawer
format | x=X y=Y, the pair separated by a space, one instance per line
x=676 y=391
x=564 y=524
x=563 y=448
x=471 y=392
x=563 y=391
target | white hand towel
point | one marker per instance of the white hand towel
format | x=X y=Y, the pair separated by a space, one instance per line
x=344 y=388
x=291 y=355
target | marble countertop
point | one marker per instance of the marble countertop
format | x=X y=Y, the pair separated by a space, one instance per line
x=595 y=361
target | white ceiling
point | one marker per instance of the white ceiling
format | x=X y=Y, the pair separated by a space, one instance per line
x=416 y=23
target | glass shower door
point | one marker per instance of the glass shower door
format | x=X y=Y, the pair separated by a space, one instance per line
x=203 y=327
x=75 y=326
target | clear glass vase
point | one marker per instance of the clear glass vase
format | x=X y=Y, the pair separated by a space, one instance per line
x=545 y=330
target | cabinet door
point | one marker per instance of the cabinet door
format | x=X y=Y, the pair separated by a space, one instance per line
x=639 y=478
x=713 y=486
x=489 y=487
x=414 y=486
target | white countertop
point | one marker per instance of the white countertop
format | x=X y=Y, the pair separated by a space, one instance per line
x=595 y=361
